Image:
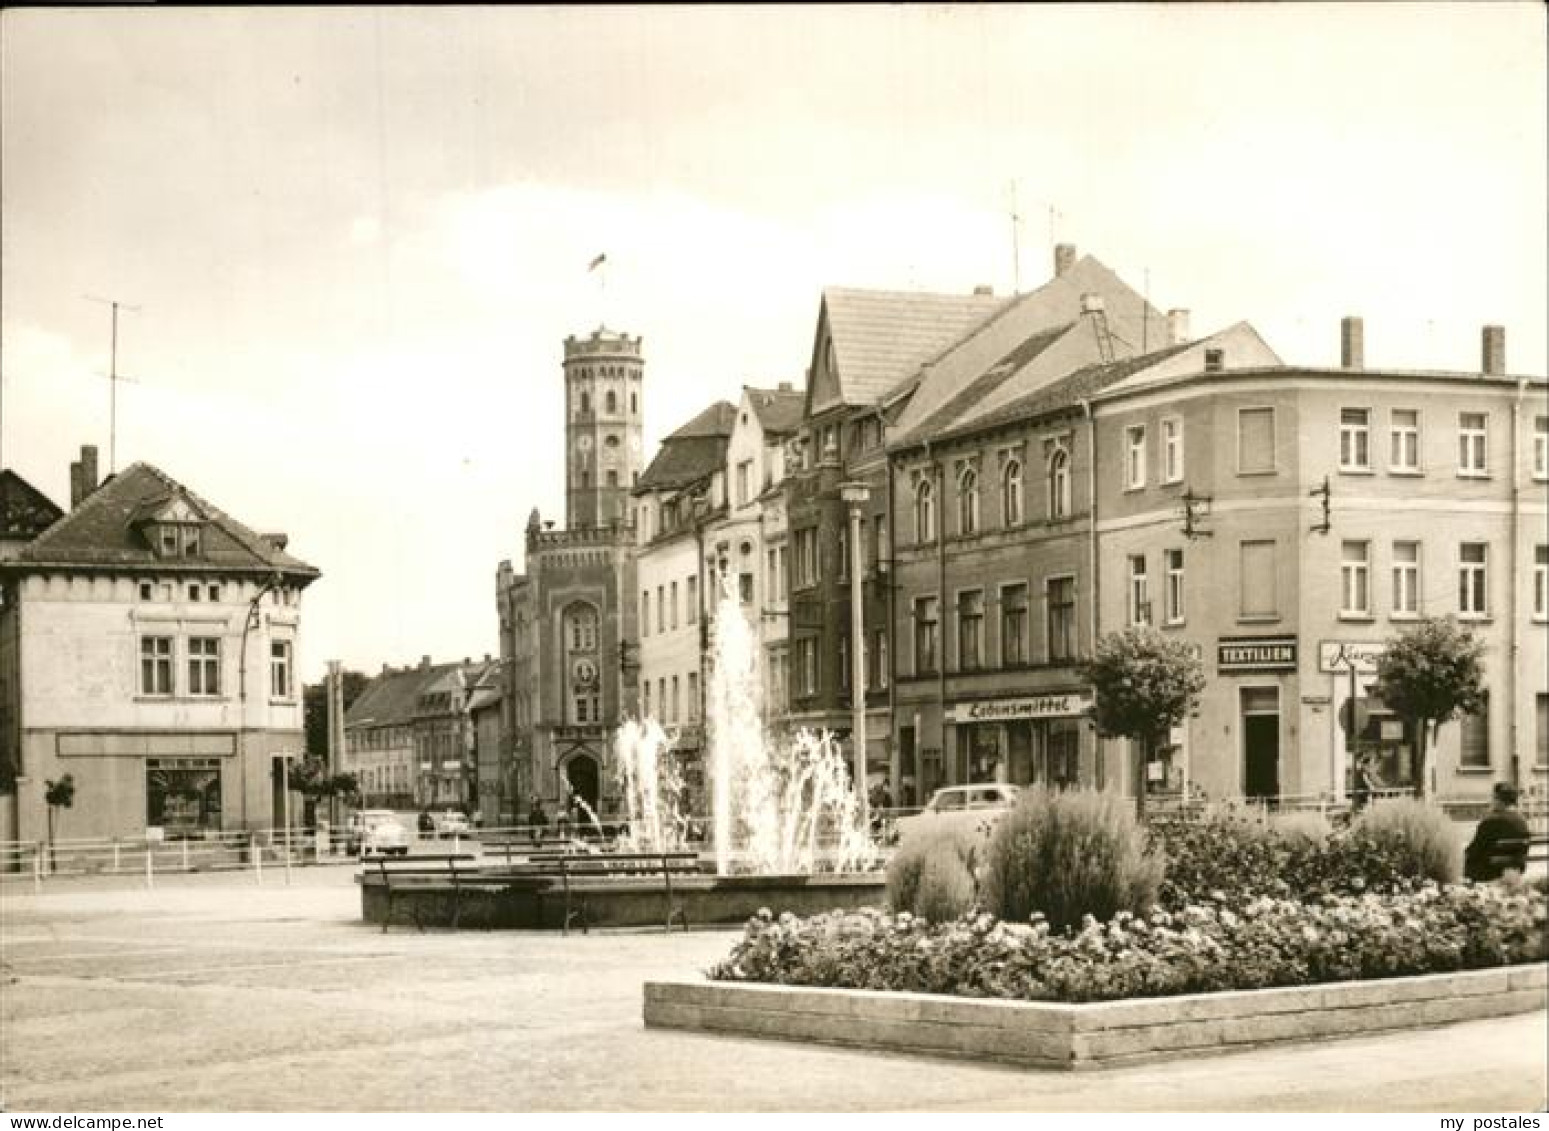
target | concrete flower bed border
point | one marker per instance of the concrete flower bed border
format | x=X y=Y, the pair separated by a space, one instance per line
x=1094 y=1035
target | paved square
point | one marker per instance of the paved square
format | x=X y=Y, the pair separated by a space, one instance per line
x=212 y=994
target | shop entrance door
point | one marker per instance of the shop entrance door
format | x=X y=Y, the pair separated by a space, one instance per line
x=1261 y=742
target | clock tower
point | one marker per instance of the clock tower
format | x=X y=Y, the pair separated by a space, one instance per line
x=603 y=413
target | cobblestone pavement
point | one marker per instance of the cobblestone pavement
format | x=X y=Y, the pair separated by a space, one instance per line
x=213 y=994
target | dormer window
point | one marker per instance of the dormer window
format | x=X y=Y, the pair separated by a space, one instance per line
x=178 y=539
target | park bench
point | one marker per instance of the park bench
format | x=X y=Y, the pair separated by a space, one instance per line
x=420 y=870
x=569 y=866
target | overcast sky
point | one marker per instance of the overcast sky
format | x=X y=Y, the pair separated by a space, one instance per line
x=359 y=237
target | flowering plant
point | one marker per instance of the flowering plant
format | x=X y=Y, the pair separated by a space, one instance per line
x=1217 y=944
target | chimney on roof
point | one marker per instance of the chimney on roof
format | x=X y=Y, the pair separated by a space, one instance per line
x=83 y=475
x=1215 y=360
x=1064 y=258
x=424 y=662
x=1352 y=343
x=984 y=289
x=278 y=541
x=787 y=387
x=1492 y=350
x=1177 y=327
x=1091 y=303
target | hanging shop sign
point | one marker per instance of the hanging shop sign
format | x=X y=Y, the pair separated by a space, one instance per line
x=1256 y=654
x=1336 y=656
x=1006 y=710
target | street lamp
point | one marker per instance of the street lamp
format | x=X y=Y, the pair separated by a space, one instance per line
x=856 y=494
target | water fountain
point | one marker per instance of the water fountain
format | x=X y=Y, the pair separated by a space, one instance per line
x=779 y=808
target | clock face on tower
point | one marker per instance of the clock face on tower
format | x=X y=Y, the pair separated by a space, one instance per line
x=584 y=672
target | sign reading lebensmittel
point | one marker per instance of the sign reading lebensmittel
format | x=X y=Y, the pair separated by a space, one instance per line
x=1005 y=710
x=1256 y=654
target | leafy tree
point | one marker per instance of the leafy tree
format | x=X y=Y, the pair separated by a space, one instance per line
x=58 y=795
x=1145 y=684
x=1431 y=673
x=310 y=778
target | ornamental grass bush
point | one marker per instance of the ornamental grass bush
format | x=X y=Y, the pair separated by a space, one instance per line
x=1067 y=855
x=1261 y=943
x=1419 y=839
x=931 y=874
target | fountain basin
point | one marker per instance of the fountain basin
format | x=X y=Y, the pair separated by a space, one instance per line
x=503 y=901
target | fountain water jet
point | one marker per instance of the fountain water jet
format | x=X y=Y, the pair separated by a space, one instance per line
x=777 y=808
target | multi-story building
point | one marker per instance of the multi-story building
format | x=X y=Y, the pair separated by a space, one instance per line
x=568 y=622
x=749 y=540
x=866 y=345
x=991 y=471
x=1290 y=521
x=25 y=512
x=679 y=498
x=152 y=642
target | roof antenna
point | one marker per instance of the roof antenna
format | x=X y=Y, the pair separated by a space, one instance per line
x=1145 y=313
x=114 y=377
x=1016 y=248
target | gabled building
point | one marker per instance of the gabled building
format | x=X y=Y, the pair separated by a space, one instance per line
x=25 y=512
x=153 y=641
x=680 y=497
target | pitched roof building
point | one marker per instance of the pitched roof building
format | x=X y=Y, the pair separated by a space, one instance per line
x=149 y=648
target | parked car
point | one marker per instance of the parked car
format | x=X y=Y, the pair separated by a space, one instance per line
x=961 y=805
x=452 y=823
x=359 y=824
x=376 y=831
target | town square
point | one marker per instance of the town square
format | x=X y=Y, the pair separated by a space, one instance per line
x=966 y=557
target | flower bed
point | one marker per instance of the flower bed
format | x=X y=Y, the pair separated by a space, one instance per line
x=1205 y=947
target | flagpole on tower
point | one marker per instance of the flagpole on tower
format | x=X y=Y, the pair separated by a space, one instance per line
x=599 y=267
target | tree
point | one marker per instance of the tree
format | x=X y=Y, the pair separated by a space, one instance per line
x=59 y=795
x=1144 y=685
x=310 y=778
x=1431 y=673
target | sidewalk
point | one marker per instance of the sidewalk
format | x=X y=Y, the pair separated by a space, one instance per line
x=230 y=997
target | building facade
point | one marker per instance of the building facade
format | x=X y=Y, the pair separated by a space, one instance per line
x=1290 y=522
x=567 y=623
x=153 y=642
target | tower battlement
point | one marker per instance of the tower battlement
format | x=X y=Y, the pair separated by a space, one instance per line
x=603 y=343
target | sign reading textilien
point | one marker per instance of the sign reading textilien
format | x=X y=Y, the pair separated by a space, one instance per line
x=1003 y=710
x=1256 y=654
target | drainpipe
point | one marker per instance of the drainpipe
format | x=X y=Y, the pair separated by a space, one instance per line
x=895 y=768
x=1514 y=685
x=938 y=488
x=1095 y=619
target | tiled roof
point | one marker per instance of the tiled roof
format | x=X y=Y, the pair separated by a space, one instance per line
x=778 y=410
x=394 y=697
x=883 y=337
x=25 y=512
x=1133 y=325
x=102 y=532
x=717 y=420
x=693 y=452
x=1066 y=392
x=998 y=374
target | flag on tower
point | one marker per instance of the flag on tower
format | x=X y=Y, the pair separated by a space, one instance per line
x=598 y=262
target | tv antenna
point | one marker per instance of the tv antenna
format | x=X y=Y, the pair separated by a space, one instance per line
x=114 y=377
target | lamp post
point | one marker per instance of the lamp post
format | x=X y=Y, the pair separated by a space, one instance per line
x=855 y=495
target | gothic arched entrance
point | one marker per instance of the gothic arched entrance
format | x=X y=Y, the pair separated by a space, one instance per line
x=581 y=772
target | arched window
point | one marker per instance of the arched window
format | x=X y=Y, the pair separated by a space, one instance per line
x=924 y=512
x=580 y=628
x=613 y=401
x=968 y=502
x=1011 y=494
x=1059 y=484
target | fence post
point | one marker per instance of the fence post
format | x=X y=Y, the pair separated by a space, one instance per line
x=115 y=854
x=185 y=854
x=257 y=850
x=287 y=856
x=150 y=868
x=37 y=873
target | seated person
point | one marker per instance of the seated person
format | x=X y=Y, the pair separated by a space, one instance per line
x=1500 y=842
